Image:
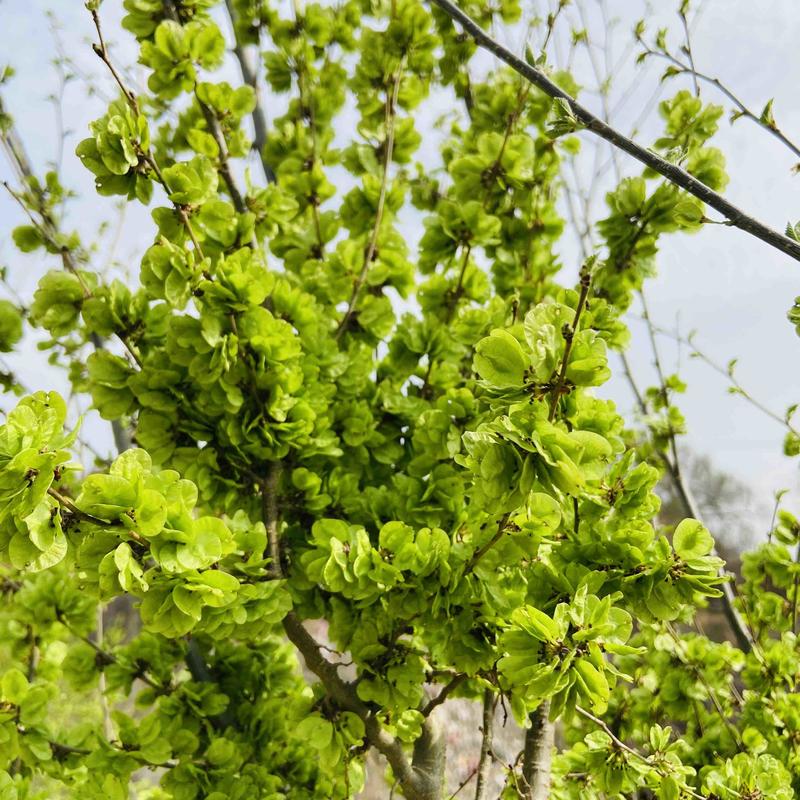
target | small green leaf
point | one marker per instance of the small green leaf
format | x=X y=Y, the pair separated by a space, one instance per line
x=14 y=686
x=500 y=360
x=692 y=540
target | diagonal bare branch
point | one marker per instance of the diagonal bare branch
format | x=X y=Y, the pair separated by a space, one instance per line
x=672 y=172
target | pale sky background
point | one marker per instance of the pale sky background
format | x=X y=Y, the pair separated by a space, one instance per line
x=731 y=288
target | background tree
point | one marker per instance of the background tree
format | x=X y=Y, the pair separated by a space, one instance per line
x=407 y=443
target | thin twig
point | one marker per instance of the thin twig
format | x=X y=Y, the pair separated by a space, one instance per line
x=102 y=52
x=629 y=750
x=212 y=123
x=688 y=47
x=391 y=106
x=662 y=381
x=736 y=386
x=796 y=598
x=109 y=658
x=766 y=122
x=463 y=783
x=737 y=737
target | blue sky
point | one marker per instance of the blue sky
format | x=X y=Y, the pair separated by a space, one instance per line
x=732 y=289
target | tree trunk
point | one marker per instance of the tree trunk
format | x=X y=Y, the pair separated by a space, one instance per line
x=428 y=761
x=538 y=756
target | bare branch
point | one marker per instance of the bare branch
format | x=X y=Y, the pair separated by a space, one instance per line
x=212 y=123
x=741 y=630
x=444 y=693
x=595 y=125
x=569 y=335
x=688 y=49
x=250 y=77
x=764 y=121
x=481 y=551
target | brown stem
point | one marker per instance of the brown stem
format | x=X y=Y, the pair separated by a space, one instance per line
x=688 y=50
x=712 y=695
x=463 y=783
x=67 y=503
x=419 y=777
x=743 y=110
x=108 y=657
x=61 y=751
x=102 y=52
x=728 y=373
x=70 y=506
x=130 y=96
x=662 y=381
x=620 y=745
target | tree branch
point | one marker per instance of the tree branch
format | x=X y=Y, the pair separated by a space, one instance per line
x=212 y=123
x=391 y=106
x=250 y=77
x=269 y=500
x=629 y=750
x=741 y=630
x=420 y=779
x=484 y=549
x=49 y=228
x=444 y=693
x=537 y=758
x=569 y=335
x=484 y=762
x=428 y=761
x=108 y=657
x=764 y=121
x=412 y=778
x=595 y=125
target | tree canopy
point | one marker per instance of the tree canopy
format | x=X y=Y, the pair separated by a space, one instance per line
x=319 y=416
